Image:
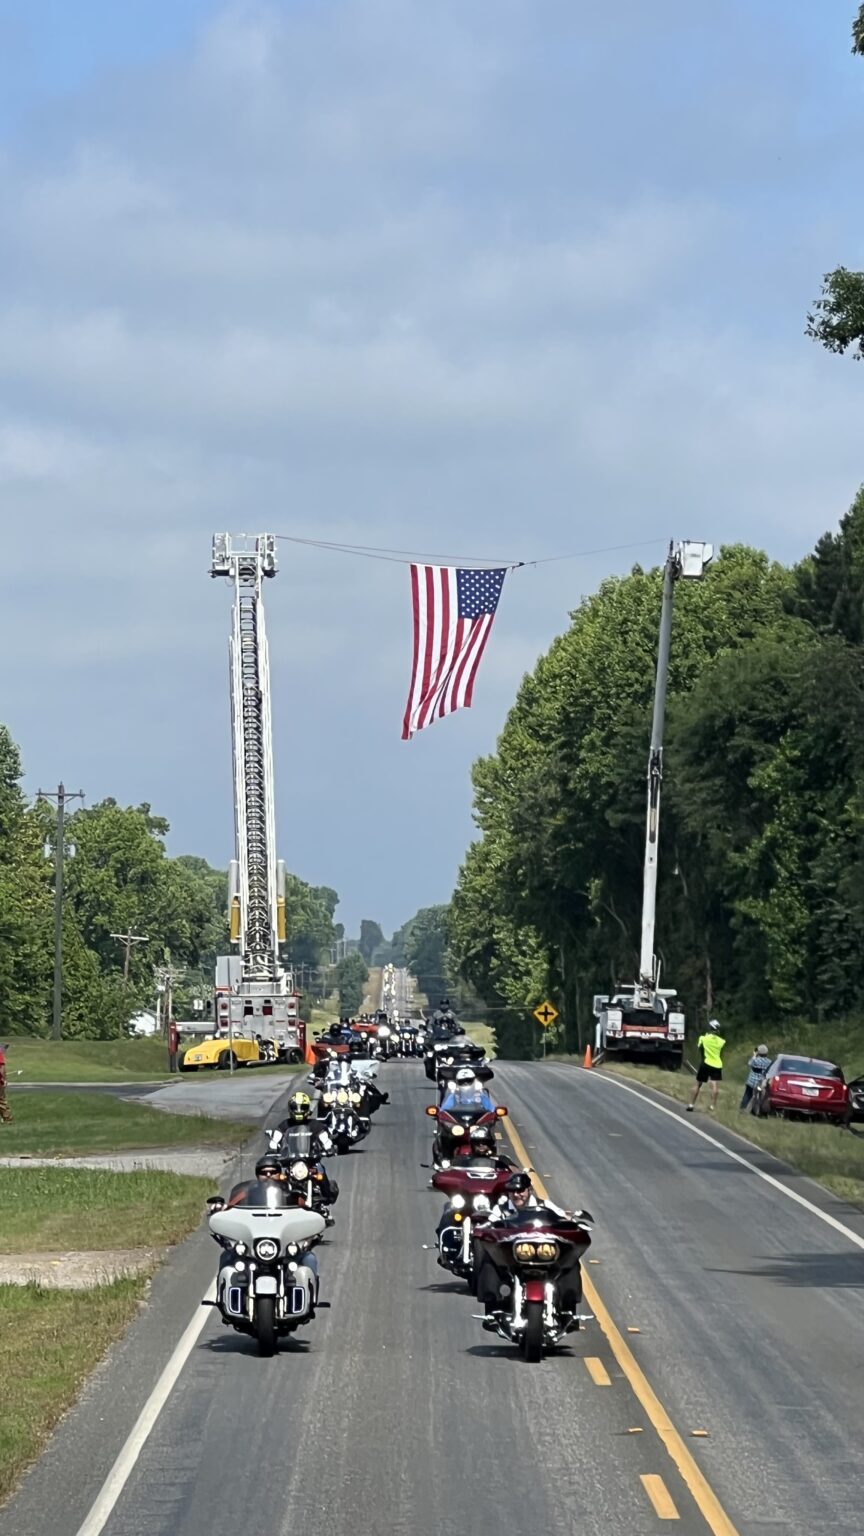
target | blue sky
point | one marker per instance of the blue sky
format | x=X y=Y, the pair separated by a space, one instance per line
x=484 y=276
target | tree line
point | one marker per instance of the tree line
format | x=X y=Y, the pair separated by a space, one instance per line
x=119 y=879
x=761 y=892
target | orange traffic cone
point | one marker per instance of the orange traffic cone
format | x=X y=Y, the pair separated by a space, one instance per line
x=311 y=1058
x=588 y=1062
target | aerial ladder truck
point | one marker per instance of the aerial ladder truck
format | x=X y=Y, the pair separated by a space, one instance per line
x=641 y=1018
x=255 y=996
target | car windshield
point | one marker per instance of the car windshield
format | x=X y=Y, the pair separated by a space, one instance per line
x=802 y=1066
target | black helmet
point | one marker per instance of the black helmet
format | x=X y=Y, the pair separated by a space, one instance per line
x=519 y=1184
x=269 y=1163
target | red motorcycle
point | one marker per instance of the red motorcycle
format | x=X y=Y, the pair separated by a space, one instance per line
x=466 y=1125
x=528 y=1273
x=472 y=1188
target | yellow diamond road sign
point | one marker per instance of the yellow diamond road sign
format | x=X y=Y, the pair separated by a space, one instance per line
x=546 y=1014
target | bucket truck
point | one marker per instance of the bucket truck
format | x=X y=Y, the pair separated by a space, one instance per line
x=642 y=1018
x=254 y=996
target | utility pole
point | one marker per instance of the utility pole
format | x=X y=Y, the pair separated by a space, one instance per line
x=127 y=940
x=62 y=797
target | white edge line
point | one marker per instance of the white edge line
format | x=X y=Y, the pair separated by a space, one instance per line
x=122 y=1469
x=736 y=1157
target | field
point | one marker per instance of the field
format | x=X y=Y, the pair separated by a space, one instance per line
x=84 y=1061
x=49 y=1343
x=58 y=1210
x=68 y=1124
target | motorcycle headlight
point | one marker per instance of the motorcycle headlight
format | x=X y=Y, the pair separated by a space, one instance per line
x=457 y=1130
x=341 y=1097
x=481 y=1203
x=535 y=1252
x=383 y=1032
x=457 y=1202
x=240 y=1248
x=266 y=1248
x=299 y=1170
x=328 y=1098
x=479 y=1130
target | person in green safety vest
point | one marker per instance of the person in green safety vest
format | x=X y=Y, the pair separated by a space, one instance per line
x=710 y=1064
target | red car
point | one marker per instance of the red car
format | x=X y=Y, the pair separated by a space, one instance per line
x=802 y=1085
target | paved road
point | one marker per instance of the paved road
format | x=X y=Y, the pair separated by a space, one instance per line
x=397 y=1414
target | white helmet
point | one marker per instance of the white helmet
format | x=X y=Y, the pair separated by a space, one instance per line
x=465 y=1075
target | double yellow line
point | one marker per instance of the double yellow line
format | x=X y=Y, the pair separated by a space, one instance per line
x=703 y=1494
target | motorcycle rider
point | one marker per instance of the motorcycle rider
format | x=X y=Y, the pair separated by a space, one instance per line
x=266 y=1189
x=299 y=1113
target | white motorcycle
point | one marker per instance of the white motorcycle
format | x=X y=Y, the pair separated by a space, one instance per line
x=267 y=1288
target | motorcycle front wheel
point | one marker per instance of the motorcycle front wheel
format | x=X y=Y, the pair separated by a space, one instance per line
x=533 y=1335
x=265 y=1324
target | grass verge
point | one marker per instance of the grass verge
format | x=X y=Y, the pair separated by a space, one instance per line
x=66 y=1124
x=49 y=1343
x=833 y=1157
x=85 y=1061
x=44 y=1210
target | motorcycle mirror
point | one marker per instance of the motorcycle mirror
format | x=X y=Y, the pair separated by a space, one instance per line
x=432 y=1111
x=501 y=1111
x=425 y=1165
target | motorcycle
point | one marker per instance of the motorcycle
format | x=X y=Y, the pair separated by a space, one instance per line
x=533 y=1258
x=463 y=1128
x=341 y=1116
x=267 y=1289
x=306 y=1182
x=471 y=1189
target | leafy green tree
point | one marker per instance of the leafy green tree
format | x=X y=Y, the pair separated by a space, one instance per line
x=837 y=318
x=351 y=978
x=309 y=912
x=26 y=905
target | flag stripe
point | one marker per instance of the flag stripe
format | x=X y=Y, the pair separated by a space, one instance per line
x=478 y=629
x=485 y=631
x=415 y=609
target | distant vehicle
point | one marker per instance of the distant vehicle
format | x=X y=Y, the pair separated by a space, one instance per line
x=216 y=1052
x=856 y=1095
x=804 y=1085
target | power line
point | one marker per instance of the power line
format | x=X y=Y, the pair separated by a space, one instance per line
x=409 y=556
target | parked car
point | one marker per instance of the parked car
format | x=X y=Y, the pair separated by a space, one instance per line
x=803 y=1085
x=856 y=1094
x=215 y=1052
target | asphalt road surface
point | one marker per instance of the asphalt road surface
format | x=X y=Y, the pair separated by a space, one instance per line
x=397 y=1414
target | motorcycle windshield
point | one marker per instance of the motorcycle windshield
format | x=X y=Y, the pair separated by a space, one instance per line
x=472 y=1099
x=299 y=1143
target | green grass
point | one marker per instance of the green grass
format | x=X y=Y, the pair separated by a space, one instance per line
x=68 y=1124
x=49 y=1343
x=85 y=1061
x=825 y=1153
x=65 y=1210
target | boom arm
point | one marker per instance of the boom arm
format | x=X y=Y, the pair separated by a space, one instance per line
x=257 y=878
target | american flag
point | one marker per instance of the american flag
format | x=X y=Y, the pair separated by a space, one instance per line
x=453 y=613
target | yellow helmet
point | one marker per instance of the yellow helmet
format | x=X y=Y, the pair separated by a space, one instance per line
x=299 y=1106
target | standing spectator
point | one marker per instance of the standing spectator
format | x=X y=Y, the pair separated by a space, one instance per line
x=758 y=1065
x=710 y=1065
x=5 y=1111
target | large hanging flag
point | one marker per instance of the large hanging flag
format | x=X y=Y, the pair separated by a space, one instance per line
x=453 y=614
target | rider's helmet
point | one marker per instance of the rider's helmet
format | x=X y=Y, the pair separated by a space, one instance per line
x=465 y=1075
x=299 y=1107
x=518 y=1184
x=268 y=1166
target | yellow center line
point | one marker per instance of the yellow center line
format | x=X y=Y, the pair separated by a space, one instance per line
x=597 y=1371
x=705 y=1498
x=661 y=1498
